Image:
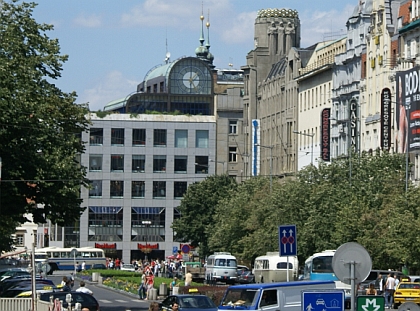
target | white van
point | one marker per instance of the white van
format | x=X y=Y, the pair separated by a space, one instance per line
x=286 y=296
x=221 y=267
x=273 y=268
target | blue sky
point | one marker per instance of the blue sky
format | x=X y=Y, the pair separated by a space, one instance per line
x=113 y=44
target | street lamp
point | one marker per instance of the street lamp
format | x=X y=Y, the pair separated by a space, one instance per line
x=146 y=250
x=222 y=162
x=312 y=143
x=271 y=163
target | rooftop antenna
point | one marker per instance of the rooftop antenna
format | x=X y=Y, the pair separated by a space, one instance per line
x=230 y=62
x=168 y=55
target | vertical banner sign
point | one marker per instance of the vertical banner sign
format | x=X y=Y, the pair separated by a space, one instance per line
x=255 y=140
x=353 y=123
x=325 y=134
x=408 y=110
x=287 y=240
x=386 y=119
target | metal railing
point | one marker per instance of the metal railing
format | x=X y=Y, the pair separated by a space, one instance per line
x=22 y=304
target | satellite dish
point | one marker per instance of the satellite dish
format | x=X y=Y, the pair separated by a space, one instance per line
x=345 y=255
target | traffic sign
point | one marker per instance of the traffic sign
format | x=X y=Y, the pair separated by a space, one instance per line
x=174 y=249
x=370 y=303
x=287 y=240
x=323 y=300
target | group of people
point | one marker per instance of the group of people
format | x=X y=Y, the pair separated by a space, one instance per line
x=79 y=267
x=68 y=283
x=386 y=287
x=146 y=284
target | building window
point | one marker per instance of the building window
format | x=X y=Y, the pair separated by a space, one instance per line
x=233 y=126
x=148 y=224
x=96 y=188
x=105 y=223
x=117 y=137
x=95 y=162
x=181 y=138
x=159 y=189
x=180 y=164
x=137 y=189
x=201 y=165
x=233 y=155
x=201 y=139
x=20 y=240
x=117 y=189
x=180 y=187
x=138 y=163
x=96 y=137
x=159 y=138
x=139 y=137
x=159 y=164
x=117 y=163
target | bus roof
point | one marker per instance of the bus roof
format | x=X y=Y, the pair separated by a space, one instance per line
x=257 y=286
x=328 y=252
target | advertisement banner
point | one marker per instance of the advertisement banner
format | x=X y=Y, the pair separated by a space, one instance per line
x=386 y=119
x=255 y=147
x=408 y=110
x=325 y=134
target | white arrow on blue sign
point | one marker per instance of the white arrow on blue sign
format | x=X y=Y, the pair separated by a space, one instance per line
x=287 y=240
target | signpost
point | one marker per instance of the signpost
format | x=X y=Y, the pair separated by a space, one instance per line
x=370 y=303
x=323 y=300
x=287 y=243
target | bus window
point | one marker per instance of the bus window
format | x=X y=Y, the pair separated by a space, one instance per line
x=85 y=254
x=55 y=254
x=283 y=265
x=231 y=263
x=220 y=262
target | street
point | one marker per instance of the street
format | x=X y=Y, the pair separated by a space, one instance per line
x=109 y=300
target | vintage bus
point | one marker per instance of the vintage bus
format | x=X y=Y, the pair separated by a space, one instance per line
x=221 y=267
x=62 y=259
x=273 y=268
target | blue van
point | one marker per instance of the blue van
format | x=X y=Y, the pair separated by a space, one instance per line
x=285 y=296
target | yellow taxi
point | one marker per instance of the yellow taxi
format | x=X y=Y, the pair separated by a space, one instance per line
x=407 y=292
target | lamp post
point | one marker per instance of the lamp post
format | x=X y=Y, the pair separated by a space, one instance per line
x=222 y=162
x=146 y=250
x=271 y=164
x=312 y=143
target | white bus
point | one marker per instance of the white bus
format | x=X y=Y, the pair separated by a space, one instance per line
x=273 y=268
x=61 y=258
x=221 y=267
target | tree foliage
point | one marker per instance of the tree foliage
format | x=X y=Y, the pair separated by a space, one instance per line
x=198 y=210
x=330 y=206
x=40 y=125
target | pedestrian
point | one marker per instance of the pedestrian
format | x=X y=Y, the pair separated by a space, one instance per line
x=142 y=287
x=379 y=284
x=389 y=291
x=371 y=290
x=150 y=280
x=77 y=267
x=154 y=306
x=188 y=279
x=83 y=265
x=397 y=281
x=175 y=306
x=84 y=289
x=67 y=286
x=173 y=284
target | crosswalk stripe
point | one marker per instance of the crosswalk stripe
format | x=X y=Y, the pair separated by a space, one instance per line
x=105 y=301
x=119 y=300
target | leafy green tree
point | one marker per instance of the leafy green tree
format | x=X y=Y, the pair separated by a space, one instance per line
x=40 y=125
x=197 y=210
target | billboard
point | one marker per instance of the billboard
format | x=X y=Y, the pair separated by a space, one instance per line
x=407 y=112
x=325 y=134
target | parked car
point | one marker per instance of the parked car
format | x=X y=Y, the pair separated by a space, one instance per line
x=407 y=292
x=188 y=303
x=241 y=269
x=127 y=267
x=246 y=277
x=12 y=282
x=86 y=300
x=13 y=273
x=18 y=289
x=98 y=266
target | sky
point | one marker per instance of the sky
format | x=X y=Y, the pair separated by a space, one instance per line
x=112 y=44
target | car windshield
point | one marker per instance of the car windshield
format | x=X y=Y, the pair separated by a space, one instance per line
x=409 y=286
x=196 y=302
x=240 y=297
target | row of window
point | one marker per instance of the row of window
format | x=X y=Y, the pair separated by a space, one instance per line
x=147 y=223
x=160 y=138
x=138 y=189
x=138 y=163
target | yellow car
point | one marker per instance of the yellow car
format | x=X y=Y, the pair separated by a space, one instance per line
x=407 y=292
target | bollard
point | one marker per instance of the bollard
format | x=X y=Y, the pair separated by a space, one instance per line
x=153 y=294
x=163 y=289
